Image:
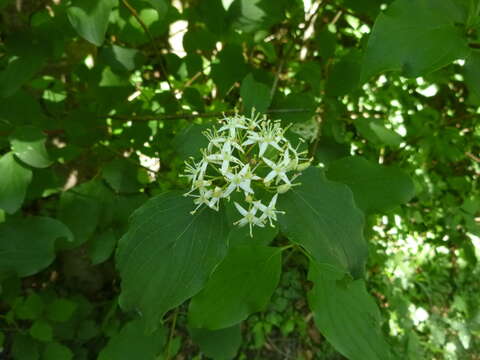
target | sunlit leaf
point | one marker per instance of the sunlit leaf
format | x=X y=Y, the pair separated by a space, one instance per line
x=415 y=37
x=90 y=18
x=13 y=183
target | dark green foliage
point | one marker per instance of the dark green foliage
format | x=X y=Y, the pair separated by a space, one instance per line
x=376 y=253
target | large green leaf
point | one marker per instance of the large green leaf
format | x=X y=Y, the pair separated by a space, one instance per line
x=416 y=37
x=241 y=285
x=28 y=245
x=220 y=344
x=254 y=95
x=90 y=18
x=168 y=254
x=347 y=316
x=132 y=341
x=28 y=144
x=376 y=188
x=322 y=216
x=14 y=180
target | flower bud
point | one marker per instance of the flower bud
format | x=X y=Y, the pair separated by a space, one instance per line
x=303 y=166
x=283 y=188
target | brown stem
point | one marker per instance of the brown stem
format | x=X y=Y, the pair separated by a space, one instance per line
x=152 y=40
x=193 y=116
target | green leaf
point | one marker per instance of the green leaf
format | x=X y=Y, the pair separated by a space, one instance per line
x=13 y=183
x=131 y=342
x=220 y=344
x=121 y=175
x=198 y=38
x=41 y=330
x=376 y=188
x=344 y=76
x=373 y=130
x=472 y=76
x=213 y=15
x=121 y=59
x=31 y=308
x=28 y=245
x=102 y=246
x=321 y=216
x=190 y=140
x=60 y=310
x=168 y=254
x=329 y=150
x=28 y=144
x=20 y=109
x=347 y=316
x=231 y=68
x=4 y=3
x=24 y=348
x=56 y=351
x=161 y=6
x=18 y=72
x=326 y=42
x=92 y=195
x=241 y=235
x=254 y=95
x=194 y=98
x=297 y=107
x=241 y=285
x=248 y=15
x=416 y=37
x=90 y=19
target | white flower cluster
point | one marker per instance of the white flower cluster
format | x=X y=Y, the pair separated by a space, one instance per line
x=250 y=156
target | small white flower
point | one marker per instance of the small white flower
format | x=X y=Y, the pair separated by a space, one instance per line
x=264 y=139
x=278 y=172
x=217 y=194
x=269 y=212
x=248 y=217
x=203 y=198
x=240 y=180
x=233 y=123
x=191 y=172
x=225 y=157
x=214 y=139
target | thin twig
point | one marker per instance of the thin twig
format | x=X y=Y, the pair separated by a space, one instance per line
x=172 y=331
x=194 y=116
x=473 y=157
x=152 y=40
x=133 y=162
x=277 y=76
